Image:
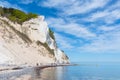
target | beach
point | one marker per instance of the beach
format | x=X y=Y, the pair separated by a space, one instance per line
x=23 y=72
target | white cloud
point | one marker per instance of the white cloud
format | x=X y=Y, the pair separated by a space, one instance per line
x=108 y=28
x=63 y=41
x=55 y=3
x=105 y=43
x=108 y=15
x=115 y=5
x=85 y=6
x=5 y=3
x=108 y=42
x=26 y=1
x=97 y=15
x=70 y=28
x=72 y=7
x=9 y=5
x=58 y=3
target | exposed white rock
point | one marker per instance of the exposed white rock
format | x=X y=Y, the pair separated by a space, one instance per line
x=18 y=43
x=36 y=29
x=61 y=57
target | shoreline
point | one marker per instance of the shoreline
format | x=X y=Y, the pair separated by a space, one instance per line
x=15 y=69
x=7 y=68
x=56 y=65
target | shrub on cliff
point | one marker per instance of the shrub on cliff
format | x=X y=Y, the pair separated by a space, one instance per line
x=16 y=15
x=51 y=33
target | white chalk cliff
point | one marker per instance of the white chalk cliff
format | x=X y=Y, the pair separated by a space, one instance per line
x=28 y=43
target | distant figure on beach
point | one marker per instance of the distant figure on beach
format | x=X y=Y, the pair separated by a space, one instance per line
x=37 y=64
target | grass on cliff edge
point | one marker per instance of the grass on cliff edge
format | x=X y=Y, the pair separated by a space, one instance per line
x=16 y=15
x=51 y=33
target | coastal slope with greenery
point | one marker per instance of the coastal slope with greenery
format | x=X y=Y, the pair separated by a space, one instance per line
x=16 y=15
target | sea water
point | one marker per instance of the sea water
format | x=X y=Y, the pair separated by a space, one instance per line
x=83 y=71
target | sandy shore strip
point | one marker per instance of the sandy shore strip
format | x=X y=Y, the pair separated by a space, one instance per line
x=10 y=69
x=3 y=68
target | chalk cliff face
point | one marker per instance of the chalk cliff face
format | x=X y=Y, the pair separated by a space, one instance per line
x=28 y=43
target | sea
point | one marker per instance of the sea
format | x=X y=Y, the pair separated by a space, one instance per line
x=82 y=71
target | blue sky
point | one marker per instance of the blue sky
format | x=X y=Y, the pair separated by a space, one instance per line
x=87 y=30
